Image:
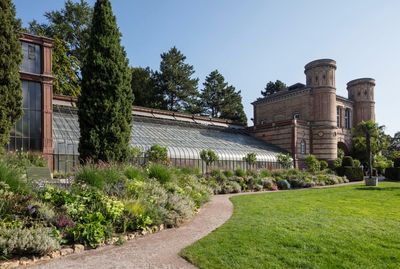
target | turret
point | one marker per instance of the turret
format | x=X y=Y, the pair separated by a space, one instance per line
x=361 y=92
x=320 y=77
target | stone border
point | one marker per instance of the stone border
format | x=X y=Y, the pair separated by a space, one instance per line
x=77 y=248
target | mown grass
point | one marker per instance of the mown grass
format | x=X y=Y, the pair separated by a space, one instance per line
x=344 y=227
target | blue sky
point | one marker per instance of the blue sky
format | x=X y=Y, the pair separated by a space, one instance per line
x=252 y=42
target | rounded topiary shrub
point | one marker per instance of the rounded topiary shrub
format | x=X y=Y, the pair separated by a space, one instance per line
x=347 y=161
x=323 y=165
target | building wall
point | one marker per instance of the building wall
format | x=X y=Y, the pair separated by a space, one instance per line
x=325 y=119
x=37 y=81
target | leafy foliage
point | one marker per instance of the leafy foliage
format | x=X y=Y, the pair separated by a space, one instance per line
x=285 y=160
x=273 y=87
x=220 y=100
x=105 y=105
x=250 y=158
x=175 y=82
x=313 y=165
x=10 y=83
x=208 y=156
x=158 y=154
x=144 y=88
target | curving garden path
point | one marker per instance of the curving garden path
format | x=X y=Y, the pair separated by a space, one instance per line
x=159 y=250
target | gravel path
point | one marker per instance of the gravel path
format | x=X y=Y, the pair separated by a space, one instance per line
x=159 y=250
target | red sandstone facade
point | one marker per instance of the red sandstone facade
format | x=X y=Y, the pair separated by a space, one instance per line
x=311 y=118
x=36 y=70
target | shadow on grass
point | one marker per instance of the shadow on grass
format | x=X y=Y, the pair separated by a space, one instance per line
x=377 y=188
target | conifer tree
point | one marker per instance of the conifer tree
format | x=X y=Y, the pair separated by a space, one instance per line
x=220 y=100
x=144 y=88
x=105 y=104
x=176 y=83
x=10 y=59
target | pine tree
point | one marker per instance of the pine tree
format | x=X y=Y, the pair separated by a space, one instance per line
x=10 y=59
x=105 y=104
x=273 y=87
x=212 y=94
x=144 y=88
x=220 y=100
x=176 y=83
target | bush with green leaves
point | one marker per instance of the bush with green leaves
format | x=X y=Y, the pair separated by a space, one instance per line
x=92 y=230
x=323 y=164
x=160 y=172
x=285 y=160
x=250 y=158
x=348 y=161
x=209 y=157
x=313 y=165
x=240 y=172
x=356 y=163
x=12 y=176
x=27 y=241
x=158 y=154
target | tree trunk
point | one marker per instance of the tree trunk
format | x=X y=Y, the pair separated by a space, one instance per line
x=368 y=142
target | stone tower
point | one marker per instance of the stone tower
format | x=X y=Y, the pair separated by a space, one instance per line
x=320 y=77
x=361 y=92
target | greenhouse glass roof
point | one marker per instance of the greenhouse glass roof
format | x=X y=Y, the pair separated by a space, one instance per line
x=183 y=140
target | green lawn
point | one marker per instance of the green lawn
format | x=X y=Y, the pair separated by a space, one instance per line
x=344 y=227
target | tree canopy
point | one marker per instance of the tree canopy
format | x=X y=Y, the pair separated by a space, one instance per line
x=105 y=104
x=175 y=82
x=10 y=59
x=70 y=29
x=220 y=100
x=144 y=88
x=379 y=140
x=273 y=87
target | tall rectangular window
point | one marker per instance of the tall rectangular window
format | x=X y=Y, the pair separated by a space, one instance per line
x=338 y=117
x=347 y=118
x=32 y=60
x=27 y=132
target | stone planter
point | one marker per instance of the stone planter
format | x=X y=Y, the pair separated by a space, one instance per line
x=371 y=181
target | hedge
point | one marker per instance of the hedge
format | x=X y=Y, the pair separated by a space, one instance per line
x=393 y=173
x=397 y=162
x=347 y=161
x=352 y=173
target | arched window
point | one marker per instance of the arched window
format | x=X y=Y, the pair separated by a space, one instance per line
x=303 y=147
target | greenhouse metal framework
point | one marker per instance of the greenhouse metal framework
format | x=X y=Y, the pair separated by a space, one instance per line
x=184 y=137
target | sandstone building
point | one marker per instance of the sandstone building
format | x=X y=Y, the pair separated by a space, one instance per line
x=311 y=118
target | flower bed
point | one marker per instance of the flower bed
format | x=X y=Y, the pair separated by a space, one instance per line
x=112 y=203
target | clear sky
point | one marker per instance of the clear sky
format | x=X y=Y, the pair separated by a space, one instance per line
x=251 y=42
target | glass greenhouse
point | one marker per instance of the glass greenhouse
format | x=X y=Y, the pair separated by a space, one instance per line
x=184 y=138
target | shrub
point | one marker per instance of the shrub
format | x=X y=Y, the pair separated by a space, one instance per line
x=13 y=178
x=91 y=231
x=347 y=161
x=240 y=172
x=228 y=173
x=250 y=158
x=285 y=160
x=24 y=159
x=265 y=173
x=158 y=154
x=283 y=184
x=351 y=173
x=179 y=208
x=357 y=163
x=312 y=163
x=396 y=162
x=90 y=175
x=393 y=173
x=133 y=173
x=160 y=172
x=323 y=164
x=27 y=241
